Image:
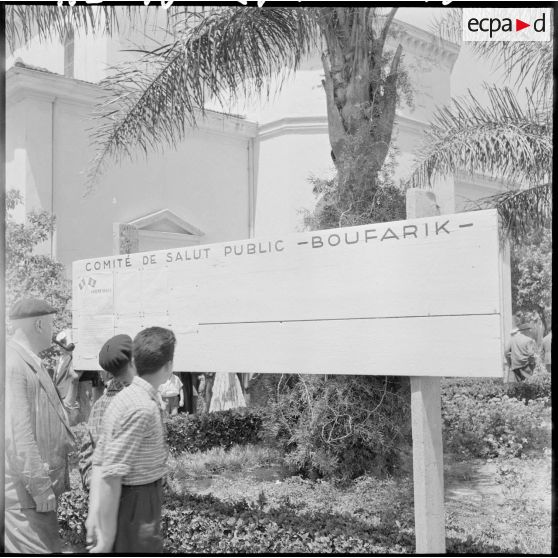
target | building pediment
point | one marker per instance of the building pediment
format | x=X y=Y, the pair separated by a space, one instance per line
x=165 y=221
x=159 y=230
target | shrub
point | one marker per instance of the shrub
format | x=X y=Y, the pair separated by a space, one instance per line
x=223 y=429
x=339 y=425
x=29 y=273
x=536 y=387
x=494 y=427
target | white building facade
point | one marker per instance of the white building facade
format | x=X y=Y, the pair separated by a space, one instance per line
x=230 y=178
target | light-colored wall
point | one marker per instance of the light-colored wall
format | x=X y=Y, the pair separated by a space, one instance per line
x=205 y=181
x=293 y=144
x=288 y=152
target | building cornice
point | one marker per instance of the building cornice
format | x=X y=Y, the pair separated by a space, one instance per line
x=425 y=43
x=319 y=125
x=24 y=83
x=293 y=124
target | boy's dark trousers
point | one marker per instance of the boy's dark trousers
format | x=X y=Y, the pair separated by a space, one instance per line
x=139 y=519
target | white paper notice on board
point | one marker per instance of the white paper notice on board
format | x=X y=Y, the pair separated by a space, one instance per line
x=415 y=297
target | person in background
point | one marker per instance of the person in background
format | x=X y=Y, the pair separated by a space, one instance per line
x=546 y=350
x=130 y=459
x=65 y=378
x=38 y=438
x=520 y=351
x=115 y=357
x=90 y=388
x=172 y=393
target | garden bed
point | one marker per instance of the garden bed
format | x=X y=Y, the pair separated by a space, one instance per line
x=222 y=497
x=495 y=506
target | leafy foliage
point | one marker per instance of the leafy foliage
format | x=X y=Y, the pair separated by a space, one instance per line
x=505 y=139
x=30 y=274
x=223 y=429
x=490 y=421
x=72 y=512
x=358 y=194
x=340 y=425
x=369 y=515
x=25 y=22
x=531 y=265
x=529 y=61
x=502 y=139
x=537 y=386
x=204 y=524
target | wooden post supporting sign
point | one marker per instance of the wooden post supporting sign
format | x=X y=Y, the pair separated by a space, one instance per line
x=428 y=464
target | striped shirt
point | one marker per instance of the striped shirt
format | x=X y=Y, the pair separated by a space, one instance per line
x=90 y=439
x=132 y=444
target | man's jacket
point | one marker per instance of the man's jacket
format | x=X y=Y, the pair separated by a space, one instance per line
x=520 y=350
x=37 y=434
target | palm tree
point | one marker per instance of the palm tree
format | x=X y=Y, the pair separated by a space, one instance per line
x=234 y=53
x=503 y=138
x=230 y=53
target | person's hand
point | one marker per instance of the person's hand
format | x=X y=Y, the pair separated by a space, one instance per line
x=46 y=502
x=96 y=543
x=100 y=545
x=90 y=530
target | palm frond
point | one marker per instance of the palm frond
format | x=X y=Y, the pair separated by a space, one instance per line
x=225 y=54
x=46 y=22
x=521 y=210
x=530 y=62
x=500 y=139
x=23 y=22
x=448 y=26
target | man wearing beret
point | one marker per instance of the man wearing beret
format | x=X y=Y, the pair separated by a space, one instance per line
x=116 y=358
x=37 y=436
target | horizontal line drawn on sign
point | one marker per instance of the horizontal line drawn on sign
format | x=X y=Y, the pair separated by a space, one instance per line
x=465 y=225
x=350 y=319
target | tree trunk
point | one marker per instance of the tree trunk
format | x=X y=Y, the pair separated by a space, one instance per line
x=361 y=91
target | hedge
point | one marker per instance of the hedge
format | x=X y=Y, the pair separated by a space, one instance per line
x=488 y=418
x=191 y=433
x=537 y=387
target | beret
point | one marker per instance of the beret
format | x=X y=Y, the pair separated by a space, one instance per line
x=29 y=308
x=115 y=353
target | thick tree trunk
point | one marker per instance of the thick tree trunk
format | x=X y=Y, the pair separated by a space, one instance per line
x=361 y=95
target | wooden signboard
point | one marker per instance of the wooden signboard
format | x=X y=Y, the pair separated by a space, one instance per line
x=415 y=297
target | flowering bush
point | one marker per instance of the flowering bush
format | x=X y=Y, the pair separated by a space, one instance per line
x=500 y=426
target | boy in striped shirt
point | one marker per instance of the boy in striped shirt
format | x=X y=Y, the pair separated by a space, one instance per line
x=130 y=459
